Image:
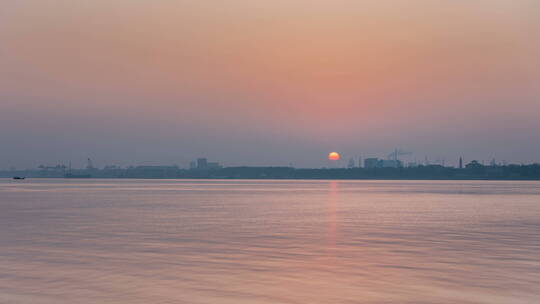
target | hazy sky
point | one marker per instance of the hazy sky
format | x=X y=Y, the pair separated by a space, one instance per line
x=267 y=82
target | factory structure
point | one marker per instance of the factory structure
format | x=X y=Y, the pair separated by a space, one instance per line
x=399 y=159
x=382 y=163
x=203 y=164
x=392 y=161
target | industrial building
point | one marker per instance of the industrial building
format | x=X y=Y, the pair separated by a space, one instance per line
x=382 y=163
x=204 y=164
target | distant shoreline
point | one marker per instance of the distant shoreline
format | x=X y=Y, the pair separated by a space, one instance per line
x=431 y=172
x=271 y=179
x=284 y=179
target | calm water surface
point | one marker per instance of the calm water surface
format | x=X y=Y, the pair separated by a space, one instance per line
x=235 y=241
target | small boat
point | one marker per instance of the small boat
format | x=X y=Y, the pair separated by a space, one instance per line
x=18 y=177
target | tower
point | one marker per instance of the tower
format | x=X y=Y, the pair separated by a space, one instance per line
x=460 y=162
x=351 y=163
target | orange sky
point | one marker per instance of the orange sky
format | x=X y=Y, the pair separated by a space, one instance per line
x=269 y=82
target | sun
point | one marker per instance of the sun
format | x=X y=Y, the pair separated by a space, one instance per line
x=333 y=156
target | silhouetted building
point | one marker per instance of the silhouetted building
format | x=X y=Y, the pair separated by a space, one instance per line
x=202 y=163
x=461 y=163
x=351 y=163
x=371 y=163
x=193 y=165
x=390 y=163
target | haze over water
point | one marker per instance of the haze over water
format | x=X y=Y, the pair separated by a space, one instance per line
x=237 y=241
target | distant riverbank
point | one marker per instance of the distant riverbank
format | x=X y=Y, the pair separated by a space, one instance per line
x=430 y=172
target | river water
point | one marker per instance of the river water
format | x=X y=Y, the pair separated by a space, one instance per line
x=240 y=241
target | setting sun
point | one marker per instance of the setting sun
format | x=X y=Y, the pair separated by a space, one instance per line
x=333 y=156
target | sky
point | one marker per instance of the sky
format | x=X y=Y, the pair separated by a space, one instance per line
x=252 y=82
